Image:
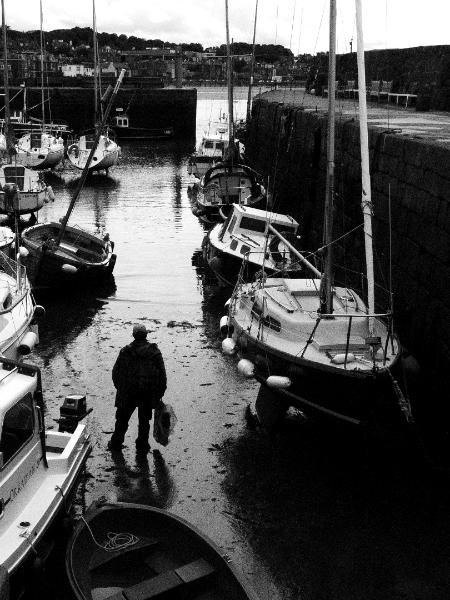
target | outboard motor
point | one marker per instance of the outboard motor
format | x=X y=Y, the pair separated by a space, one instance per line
x=12 y=196
x=72 y=412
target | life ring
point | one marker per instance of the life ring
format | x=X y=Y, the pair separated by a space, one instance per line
x=279 y=251
x=73 y=149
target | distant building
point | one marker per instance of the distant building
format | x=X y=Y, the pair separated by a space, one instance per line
x=77 y=71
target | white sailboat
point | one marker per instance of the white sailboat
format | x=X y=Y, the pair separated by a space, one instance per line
x=42 y=149
x=107 y=151
x=318 y=346
x=22 y=191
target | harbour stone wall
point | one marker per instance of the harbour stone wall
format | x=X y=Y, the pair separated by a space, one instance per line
x=410 y=189
x=150 y=107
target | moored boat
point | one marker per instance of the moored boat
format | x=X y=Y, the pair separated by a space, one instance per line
x=105 y=156
x=18 y=311
x=315 y=344
x=125 y=131
x=22 y=190
x=39 y=471
x=40 y=150
x=79 y=257
x=162 y=556
x=250 y=242
x=223 y=185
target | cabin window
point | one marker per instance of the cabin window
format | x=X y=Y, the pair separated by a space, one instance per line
x=245 y=249
x=267 y=321
x=220 y=145
x=283 y=229
x=209 y=144
x=233 y=245
x=18 y=426
x=253 y=224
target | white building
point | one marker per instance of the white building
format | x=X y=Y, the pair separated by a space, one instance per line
x=74 y=70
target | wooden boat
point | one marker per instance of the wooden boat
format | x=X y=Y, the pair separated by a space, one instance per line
x=60 y=255
x=223 y=185
x=251 y=241
x=318 y=346
x=39 y=471
x=79 y=257
x=7 y=238
x=125 y=131
x=166 y=558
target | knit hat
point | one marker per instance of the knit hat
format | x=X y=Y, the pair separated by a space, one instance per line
x=139 y=331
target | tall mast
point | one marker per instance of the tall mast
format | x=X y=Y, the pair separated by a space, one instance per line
x=229 y=84
x=326 y=291
x=366 y=198
x=252 y=67
x=42 y=67
x=6 y=77
x=94 y=44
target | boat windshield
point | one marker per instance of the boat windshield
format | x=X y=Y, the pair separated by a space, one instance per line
x=17 y=428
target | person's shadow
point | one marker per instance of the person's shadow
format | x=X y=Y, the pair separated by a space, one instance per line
x=141 y=484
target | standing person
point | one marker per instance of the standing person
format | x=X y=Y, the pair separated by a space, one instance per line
x=139 y=375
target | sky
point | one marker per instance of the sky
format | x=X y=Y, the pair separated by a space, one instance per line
x=301 y=25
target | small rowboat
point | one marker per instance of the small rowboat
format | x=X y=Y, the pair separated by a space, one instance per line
x=157 y=555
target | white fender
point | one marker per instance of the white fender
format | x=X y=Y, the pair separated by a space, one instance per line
x=23 y=252
x=278 y=382
x=4 y=295
x=379 y=354
x=50 y=193
x=227 y=303
x=71 y=269
x=246 y=367
x=228 y=346
x=225 y=325
x=339 y=359
x=27 y=344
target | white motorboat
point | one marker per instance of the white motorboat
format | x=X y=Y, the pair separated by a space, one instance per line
x=251 y=242
x=211 y=150
x=39 y=472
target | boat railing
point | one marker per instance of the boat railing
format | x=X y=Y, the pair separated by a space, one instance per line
x=374 y=342
x=19 y=274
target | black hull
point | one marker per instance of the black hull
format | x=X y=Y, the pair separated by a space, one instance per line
x=166 y=549
x=356 y=398
x=138 y=133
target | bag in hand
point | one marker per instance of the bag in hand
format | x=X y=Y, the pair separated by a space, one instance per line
x=164 y=423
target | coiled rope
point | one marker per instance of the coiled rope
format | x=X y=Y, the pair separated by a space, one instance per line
x=115 y=541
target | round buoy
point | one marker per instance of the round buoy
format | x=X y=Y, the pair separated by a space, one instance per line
x=23 y=252
x=225 y=327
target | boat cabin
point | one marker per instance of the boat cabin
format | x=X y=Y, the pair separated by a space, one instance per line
x=121 y=121
x=246 y=222
x=20 y=422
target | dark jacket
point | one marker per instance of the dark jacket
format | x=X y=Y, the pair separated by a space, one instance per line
x=139 y=374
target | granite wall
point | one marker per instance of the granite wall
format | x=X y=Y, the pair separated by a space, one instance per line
x=146 y=107
x=410 y=189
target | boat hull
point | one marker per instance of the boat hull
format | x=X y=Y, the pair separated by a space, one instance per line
x=354 y=397
x=40 y=159
x=166 y=548
x=140 y=133
x=81 y=258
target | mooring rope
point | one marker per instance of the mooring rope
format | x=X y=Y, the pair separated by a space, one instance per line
x=115 y=541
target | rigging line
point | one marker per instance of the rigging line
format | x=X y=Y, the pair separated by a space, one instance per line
x=276 y=27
